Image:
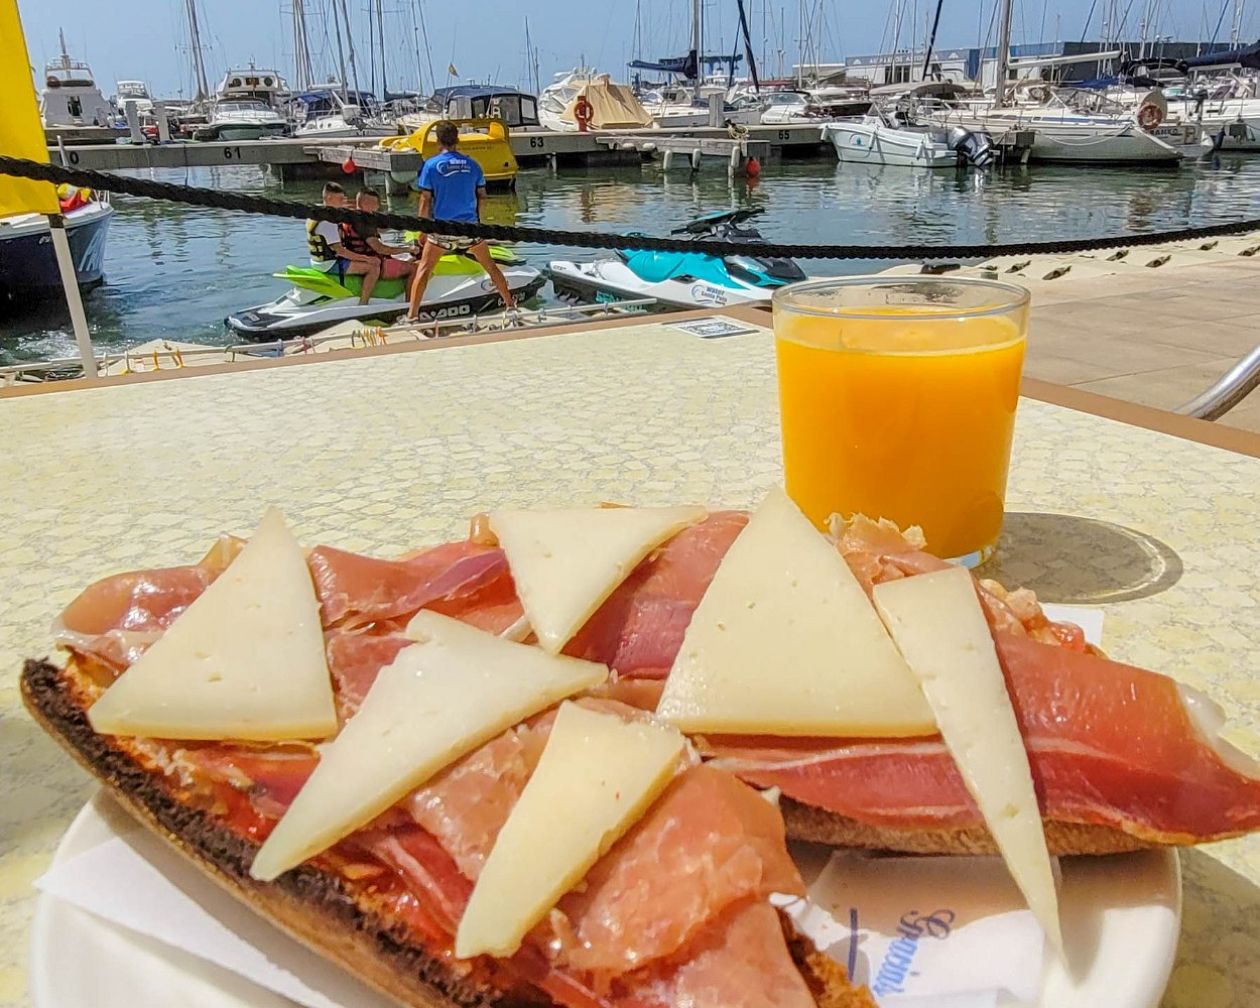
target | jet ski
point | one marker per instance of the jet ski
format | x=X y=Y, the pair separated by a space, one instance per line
x=318 y=300
x=682 y=279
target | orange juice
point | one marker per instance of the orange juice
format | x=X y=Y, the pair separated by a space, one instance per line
x=902 y=415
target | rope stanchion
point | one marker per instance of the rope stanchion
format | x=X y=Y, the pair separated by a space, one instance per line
x=251 y=204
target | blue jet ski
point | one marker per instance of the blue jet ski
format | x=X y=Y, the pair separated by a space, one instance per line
x=682 y=279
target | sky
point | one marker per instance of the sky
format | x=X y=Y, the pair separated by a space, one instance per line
x=484 y=39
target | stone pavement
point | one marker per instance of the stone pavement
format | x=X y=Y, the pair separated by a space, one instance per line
x=1152 y=336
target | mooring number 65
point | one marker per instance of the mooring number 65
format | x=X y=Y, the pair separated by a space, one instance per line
x=231 y=152
x=785 y=134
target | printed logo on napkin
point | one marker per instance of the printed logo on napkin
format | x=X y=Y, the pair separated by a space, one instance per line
x=919 y=929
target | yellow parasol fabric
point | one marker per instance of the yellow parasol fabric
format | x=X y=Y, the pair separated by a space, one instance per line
x=21 y=132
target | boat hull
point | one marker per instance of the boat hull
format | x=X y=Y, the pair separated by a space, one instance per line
x=28 y=264
x=1072 y=139
x=611 y=280
x=866 y=143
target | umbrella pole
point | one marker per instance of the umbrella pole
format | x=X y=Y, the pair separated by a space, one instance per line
x=70 y=284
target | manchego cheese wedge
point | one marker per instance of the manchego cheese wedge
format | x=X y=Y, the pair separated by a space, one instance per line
x=453 y=690
x=941 y=630
x=244 y=661
x=566 y=562
x=596 y=778
x=785 y=642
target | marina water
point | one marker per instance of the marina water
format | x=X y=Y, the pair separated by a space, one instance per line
x=175 y=271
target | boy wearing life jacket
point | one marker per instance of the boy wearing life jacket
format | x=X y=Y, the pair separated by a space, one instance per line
x=365 y=239
x=328 y=253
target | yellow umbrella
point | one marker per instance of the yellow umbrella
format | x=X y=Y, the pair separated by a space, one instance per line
x=22 y=135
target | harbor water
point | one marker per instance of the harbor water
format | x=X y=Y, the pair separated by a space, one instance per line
x=175 y=271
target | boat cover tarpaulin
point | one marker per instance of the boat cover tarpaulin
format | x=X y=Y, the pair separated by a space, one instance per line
x=613 y=106
x=1248 y=57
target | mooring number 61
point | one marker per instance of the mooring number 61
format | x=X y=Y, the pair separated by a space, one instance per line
x=231 y=152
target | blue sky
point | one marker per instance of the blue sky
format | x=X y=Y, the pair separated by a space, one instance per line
x=484 y=38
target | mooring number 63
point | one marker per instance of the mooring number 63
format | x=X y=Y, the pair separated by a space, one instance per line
x=231 y=152
x=537 y=141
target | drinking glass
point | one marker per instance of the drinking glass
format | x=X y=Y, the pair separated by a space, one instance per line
x=897 y=399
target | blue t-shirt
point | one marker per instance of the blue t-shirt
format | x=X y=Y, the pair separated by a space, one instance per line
x=454 y=179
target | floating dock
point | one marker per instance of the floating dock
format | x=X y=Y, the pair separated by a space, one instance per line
x=293 y=157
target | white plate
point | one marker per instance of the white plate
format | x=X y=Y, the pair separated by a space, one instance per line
x=1121 y=918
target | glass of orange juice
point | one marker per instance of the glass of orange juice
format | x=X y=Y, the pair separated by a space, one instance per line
x=897 y=397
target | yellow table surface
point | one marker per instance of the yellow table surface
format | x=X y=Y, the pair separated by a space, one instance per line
x=388 y=453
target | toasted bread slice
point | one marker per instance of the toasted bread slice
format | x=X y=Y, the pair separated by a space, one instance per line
x=807 y=822
x=329 y=914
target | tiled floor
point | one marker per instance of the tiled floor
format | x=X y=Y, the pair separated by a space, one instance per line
x=1151 y=336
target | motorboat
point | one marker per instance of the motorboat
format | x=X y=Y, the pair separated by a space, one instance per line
x=331 y=113
x=486 y=141
x=682 y=279
x=517 y=109
x=135 y=92
x=880 y=138
x=71 y=100
x=266 y=86
x=1058 y=132
x=28 y=265
x=317 y=300
x=233 y=119
x=679 y=105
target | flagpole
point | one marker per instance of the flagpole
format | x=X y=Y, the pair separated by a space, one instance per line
x=70 y=283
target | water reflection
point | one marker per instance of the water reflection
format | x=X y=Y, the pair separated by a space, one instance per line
x=175 y=271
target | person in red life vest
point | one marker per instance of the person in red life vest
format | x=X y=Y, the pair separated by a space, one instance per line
x=329 y=254
x=365 y=239
x=452 y=187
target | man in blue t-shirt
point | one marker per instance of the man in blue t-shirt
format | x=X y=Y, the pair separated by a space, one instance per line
x=452 y=186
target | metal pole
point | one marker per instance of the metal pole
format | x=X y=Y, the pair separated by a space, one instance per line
x=1003 y=54
x=70 y=283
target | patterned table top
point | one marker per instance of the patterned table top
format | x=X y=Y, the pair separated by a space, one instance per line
x=387 y=453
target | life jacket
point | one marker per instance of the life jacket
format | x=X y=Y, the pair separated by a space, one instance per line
x=318 y=246
x=353 y=241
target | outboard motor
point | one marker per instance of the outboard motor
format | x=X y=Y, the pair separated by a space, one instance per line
x=976 y=149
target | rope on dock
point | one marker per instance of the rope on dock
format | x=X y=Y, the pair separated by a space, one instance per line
x=251 y=204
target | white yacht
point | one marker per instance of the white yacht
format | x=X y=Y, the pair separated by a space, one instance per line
x=241 y=119
x=246 y=106
x=683 y=105
x=71 y=98
x=133 y=91
x=554 y=100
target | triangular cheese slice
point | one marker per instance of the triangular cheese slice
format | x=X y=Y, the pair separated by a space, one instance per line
x=596 y=778
x=566 y=562
x=939 y=626
x=785 y=642
x=456 y=688
x=244 y=661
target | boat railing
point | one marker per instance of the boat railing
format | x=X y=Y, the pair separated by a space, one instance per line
x=1228 y=391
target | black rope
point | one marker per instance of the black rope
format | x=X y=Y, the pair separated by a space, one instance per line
x=243 y=203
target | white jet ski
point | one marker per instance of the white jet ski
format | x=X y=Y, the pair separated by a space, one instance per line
x=318 y=300
x=681 y=279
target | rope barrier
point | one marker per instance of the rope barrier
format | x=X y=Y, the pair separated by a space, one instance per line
x=243 y=203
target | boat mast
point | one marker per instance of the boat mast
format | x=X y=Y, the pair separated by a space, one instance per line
x=194 y=45
x=428 y=49
x=531 y=59
x=354 y=68
x=1003 y=53
x=380 y=37
x=800 y=46
x=697 y=36
x=303 y=74
x=1235 y=32
x=341 y=58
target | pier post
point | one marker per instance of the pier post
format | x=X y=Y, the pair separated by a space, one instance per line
x=133 y=121
x=667 y=159
x=163 y=124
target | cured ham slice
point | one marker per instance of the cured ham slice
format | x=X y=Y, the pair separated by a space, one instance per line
x=639 y=629
x=355 y=659
x=356 y=590
x=708 y=843
x=741 y=959
x=1108 y=744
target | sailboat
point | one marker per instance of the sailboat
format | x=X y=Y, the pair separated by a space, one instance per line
x=687 y=104
x=1066 y=132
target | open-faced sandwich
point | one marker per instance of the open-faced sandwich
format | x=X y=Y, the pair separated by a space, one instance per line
x=523 y=768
